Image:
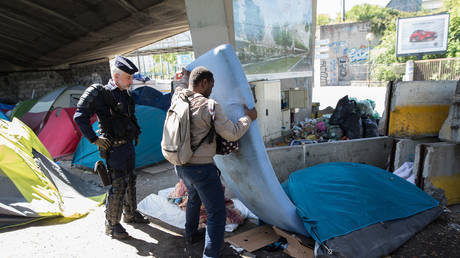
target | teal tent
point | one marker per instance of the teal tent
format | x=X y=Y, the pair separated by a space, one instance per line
x=148 y=151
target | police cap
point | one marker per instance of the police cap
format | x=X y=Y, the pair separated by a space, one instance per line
x=125 y=65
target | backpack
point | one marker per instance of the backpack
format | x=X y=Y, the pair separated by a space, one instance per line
x=175 y=144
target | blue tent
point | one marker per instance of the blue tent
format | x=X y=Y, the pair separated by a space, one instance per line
x=335 y=199
x=149 y=96
x=3 y=116
x=6 y=106
x=148 y=151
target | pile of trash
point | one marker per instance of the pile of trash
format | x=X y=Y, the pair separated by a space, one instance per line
x=351 y=119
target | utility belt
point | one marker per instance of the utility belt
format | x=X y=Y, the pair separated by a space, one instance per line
x=118 y=143
x=115 y=143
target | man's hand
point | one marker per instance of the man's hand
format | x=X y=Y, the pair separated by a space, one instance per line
x=251 y=113
x=136 y=141
x=103 y=143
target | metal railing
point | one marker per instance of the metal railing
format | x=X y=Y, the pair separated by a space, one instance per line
x=437 y=69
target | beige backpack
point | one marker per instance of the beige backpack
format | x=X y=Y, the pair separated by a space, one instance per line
x=175 y=144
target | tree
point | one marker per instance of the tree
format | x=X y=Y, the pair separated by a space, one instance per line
x=453 y=7
x=323 y=19
x=381 y=18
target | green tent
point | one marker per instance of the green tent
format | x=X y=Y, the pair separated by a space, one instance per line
x=22 y=107
x=32 y=186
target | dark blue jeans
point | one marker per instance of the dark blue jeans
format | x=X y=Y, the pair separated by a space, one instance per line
x=203 y=185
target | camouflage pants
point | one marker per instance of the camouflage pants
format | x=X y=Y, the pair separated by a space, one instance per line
x=121 y=195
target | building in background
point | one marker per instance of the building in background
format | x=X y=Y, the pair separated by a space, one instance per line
x=405 y=5
x=414 y=5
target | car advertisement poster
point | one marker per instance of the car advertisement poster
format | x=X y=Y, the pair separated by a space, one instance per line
x=422 y=35
x=274 y=37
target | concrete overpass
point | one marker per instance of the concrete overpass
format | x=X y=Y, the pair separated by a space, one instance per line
x=38 y=34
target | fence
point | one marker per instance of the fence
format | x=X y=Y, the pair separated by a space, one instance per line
x=437 y=69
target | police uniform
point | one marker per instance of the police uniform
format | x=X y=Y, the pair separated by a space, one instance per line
x=117 y=122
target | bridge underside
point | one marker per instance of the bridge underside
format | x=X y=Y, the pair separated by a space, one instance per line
x=41 y=34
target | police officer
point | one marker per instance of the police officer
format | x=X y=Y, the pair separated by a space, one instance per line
x=118 y=128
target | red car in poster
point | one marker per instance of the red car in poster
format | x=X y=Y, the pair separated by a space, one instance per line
x=422 y=35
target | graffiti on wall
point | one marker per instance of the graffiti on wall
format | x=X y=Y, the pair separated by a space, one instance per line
x=341 y=57
x=357 y=55
x=343 y=67
x=348 y=53
x=337 y=46
x=333 y=78
x=323 y=72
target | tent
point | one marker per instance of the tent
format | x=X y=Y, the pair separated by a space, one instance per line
x=22 y=107
x=60 y=134
x=3 y=116
x=5 y=107
x=150 y=96
x=32 y=186
x=148 y=151
x=63 y=97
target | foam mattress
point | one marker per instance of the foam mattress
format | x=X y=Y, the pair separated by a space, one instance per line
x=248 y=172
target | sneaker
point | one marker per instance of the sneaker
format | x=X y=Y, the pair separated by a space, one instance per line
x=196 y=237
x=137 y=217
x=116 y=231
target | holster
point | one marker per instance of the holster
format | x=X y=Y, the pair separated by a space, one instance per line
x=101 y=170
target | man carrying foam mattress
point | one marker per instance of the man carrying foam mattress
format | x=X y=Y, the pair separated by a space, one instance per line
x=200 y=175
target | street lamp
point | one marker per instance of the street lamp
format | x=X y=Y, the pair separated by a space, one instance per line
x=369 y=37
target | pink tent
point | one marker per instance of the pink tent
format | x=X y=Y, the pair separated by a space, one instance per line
x=60 y=134
x=64 y=97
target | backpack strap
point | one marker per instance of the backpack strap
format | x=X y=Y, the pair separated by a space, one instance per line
x=211 y=132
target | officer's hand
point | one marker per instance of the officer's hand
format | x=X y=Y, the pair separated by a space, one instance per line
x=136 y=141
x=251 y=113
x=103 y=143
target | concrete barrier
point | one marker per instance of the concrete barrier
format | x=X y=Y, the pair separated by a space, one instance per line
x=405 y=150
x=440 y=164
x=373 y=151
x=419 y=108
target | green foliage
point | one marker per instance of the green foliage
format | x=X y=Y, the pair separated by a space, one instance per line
x=380 y=18
x=453 y=6
x=323 y=19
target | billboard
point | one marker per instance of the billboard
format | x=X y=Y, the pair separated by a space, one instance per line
x=422 y=35
x=274 y=37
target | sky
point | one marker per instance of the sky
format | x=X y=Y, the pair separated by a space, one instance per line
x=333 y=7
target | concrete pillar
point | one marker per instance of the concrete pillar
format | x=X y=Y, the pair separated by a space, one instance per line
x=211 y=24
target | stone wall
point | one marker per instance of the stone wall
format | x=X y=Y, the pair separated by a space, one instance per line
x=18 y=86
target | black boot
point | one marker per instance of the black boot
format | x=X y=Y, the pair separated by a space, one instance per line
x=137 y=217
x=116 y=231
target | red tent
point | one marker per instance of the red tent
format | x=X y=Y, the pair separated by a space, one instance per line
x=60 y=134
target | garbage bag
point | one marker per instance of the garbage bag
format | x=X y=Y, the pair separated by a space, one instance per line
x=370 y=127
x=346 y=116
x=365 y=107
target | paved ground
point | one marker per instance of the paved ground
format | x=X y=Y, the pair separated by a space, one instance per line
x=85 y=237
